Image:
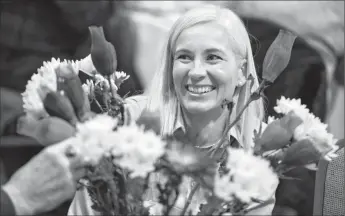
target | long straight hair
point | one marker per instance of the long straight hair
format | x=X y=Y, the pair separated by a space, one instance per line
x=162 y=95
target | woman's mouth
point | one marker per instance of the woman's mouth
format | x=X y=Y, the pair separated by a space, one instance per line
x=200 y=89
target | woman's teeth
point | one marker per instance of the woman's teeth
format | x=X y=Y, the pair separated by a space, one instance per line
x=199 y=90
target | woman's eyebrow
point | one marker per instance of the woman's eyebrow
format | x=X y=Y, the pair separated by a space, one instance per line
x=218 y=50
x=182 y=50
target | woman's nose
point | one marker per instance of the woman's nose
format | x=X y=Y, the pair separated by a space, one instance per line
x=198 y=71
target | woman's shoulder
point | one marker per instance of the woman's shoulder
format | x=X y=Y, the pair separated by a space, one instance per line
x=137 y=99
x=135 y=105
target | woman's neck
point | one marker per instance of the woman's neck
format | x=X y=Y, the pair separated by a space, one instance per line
x=205 y=128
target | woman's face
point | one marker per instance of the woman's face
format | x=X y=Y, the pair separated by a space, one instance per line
x=205 y=69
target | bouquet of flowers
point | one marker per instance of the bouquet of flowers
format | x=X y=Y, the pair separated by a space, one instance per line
x=296 y=139
x=128 y=155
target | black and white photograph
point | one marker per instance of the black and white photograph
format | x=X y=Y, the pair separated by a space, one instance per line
x=172 y=108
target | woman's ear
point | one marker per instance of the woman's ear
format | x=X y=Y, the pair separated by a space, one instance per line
x=242 y=71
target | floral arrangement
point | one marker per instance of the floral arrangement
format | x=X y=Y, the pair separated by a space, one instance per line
x=127 y=155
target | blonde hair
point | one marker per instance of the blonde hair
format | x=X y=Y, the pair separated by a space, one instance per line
x=162 y=94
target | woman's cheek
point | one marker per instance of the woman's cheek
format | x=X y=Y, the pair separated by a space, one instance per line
x=179 y=71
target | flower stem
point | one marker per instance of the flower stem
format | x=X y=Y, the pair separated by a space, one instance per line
x=111 y=88
x=265 y=203
x=254 y=96
x=189 y=199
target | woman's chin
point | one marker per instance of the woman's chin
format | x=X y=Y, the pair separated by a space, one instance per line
x=196 y=108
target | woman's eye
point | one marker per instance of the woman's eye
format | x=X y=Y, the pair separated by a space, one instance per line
x=214 y=58
x=184 y=58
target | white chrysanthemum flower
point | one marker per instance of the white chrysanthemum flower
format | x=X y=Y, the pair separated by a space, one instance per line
x=67 y=68
x=90 y=136
x=38 y=87
x=53 y=63
x=311 y=127
x=99 y=79
x=285 y=105
x=271 y=119
x=136 y=150
x=249 y=177
x=107 y=86
x=121 y=75
x=104 y=83
x=100 y=123
x=32 y=102
x=41 y=83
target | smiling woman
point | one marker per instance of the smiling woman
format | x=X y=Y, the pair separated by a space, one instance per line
x=208 y=48
x=207 y=62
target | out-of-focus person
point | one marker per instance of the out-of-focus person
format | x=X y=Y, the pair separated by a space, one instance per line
x=45 y=182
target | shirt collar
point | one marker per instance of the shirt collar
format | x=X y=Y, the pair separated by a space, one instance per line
x=179 y=126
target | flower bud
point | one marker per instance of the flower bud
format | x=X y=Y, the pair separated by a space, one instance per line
x=103 y=53
x=301 y=153
x=57 y=104
x=73 y=89
x=278 y=55
x=278 y=134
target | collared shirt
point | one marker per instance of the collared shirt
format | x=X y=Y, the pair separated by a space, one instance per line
x=136 y=104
